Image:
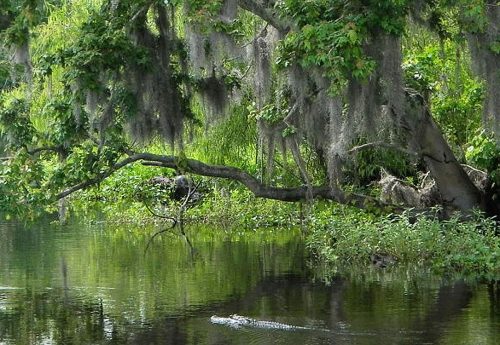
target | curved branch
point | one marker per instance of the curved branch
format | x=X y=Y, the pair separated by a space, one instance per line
x=265 y=14
x=250 y=182
x=159 y=215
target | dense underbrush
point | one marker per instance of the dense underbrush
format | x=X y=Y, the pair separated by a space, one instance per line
x=351 y=237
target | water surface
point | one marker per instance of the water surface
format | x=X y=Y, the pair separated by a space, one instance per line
x=94 y=284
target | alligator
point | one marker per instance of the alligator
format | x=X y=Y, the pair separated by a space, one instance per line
x=237 y=321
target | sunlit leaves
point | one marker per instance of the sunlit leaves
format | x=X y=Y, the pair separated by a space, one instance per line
x=484 y=152
x=439 y=71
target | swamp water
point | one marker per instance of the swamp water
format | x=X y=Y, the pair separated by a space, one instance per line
x=94 y=284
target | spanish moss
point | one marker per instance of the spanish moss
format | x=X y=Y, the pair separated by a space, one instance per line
x=486 y=64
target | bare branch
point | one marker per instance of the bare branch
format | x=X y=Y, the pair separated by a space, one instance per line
x=159 y=215
x=384 y=145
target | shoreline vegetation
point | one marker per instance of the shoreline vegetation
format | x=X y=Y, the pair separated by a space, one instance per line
x=336 y=236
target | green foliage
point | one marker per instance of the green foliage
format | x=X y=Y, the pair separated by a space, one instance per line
x=440 y=71
x=17 y=33
x=388 y=15
x=20 y=187
x=4 y=70
x=23 y=15
x=15 y=122
x=484 y=153
x=289 y=131
x=495 y=47
x=205 y=16
x=102 y=46
x=472 y=15
x=349 y=237
x=450 y=18
x=231 y=142
x=239 y=209
x=335 y=46
x=332 y=34
x=66 y=131
x=128 y=186
x=272 y=114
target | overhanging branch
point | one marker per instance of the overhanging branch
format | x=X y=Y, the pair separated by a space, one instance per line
x=250 y=182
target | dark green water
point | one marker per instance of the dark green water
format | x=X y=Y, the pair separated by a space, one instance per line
x=113 y=293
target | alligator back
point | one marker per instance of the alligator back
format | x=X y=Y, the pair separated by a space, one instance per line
x=237 y=321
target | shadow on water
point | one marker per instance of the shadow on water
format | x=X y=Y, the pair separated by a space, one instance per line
x=94 y=285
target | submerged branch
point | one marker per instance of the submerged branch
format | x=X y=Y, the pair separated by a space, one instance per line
x=158 y=233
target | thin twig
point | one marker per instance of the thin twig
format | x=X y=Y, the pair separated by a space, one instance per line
x=182 y=209
x=384 y=145
x=159 y=215
x=175 y=221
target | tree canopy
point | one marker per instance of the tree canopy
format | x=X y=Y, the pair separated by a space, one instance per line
x=294 y=99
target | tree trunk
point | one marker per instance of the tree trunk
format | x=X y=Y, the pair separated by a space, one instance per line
x=457 y=190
